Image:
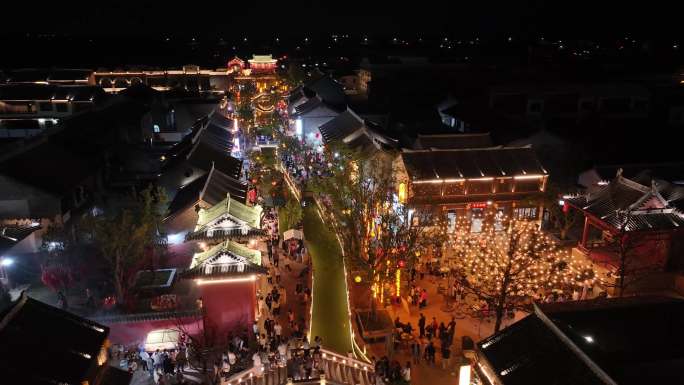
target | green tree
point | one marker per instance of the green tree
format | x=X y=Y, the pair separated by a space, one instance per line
x=291 y=214
x=378 y=237
x=129 y=241
x=561 y=218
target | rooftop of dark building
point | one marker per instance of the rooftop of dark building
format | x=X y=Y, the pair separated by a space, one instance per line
x=472 y=163
x=65 y=345
x=629 y=341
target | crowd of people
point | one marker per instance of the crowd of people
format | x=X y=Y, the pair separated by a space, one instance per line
x=391 y=372
x=165 y=366
x=427 y=339
x=301 y=166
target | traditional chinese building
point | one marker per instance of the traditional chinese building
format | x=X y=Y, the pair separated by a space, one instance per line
x=467 y=181
x=640 y=219
x=204 y=192
x=314 y=104
x=64 y=348
x=236 y=65
x=226 y=275
x=262 y=64
x=588 y=342
x=228 y=219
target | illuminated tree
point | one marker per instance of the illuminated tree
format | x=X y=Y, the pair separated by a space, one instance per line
x=377 y=234
x=510 y=267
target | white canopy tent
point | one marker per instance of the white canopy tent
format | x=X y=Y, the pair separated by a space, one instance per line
x=162 y=339
x=293 y=233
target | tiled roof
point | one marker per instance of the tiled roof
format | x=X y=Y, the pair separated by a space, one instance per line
x=226 y=253
x=230 y=207
x=203 y=156
x=341 y=126
x=223 y=234
x=221 y=120
x=453 y=141
x=220 y=185
x=64 y=344
x=529 y=352
x=11 y=235
x=61 y=174
x=9 y=92
x=327 y=89
x=308 y=105
x=36 y=75
x=187 y=195
x=471 y=163
x=216 y=136
x=626 y=204
x=223 y=271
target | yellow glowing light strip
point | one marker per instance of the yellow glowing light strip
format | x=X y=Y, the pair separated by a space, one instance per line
x=200 y=282
x=529 y=176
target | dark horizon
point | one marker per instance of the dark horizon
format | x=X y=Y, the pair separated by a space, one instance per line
x=579 y=19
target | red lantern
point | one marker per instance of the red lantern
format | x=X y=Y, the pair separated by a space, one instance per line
x=402 y=263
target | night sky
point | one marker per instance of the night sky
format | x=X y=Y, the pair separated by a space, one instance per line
x=579 y=18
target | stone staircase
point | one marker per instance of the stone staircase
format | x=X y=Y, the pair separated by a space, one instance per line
x=339 y=370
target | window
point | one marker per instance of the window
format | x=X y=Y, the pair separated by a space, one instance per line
x=45 y=106
x=454 y=188
x=499 y=219
x=62 y=107
x=476 y=220
x=504 y=185
x=156 y=128
x=480 y=187
x=527 y=185
x=426 y=189
x=525 y=213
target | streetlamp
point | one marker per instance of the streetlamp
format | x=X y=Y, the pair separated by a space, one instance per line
x=5 y=262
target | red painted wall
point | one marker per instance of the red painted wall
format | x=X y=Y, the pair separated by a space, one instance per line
x=229 y=307
x=135 y=333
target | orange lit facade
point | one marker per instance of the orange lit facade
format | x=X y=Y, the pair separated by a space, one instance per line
x=468 y=182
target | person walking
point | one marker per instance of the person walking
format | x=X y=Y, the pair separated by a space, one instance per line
x=430 y=353
x=144 y=356
x=181 y=360
x=446 y=357
x=291 y=318
x=415 y=351
x=406 y=372
x=278 y=330
x=423 y=299
x=421 y=325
